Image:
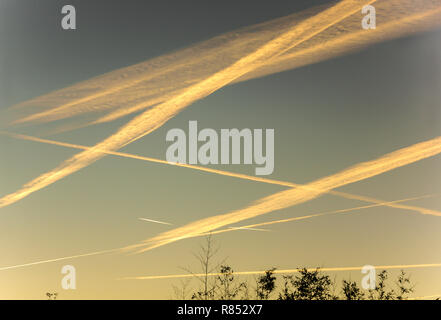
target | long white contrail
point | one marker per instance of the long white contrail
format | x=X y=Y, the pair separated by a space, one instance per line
x=283 y=271
x=292 y=197
x=392 y=204
x=155 y=117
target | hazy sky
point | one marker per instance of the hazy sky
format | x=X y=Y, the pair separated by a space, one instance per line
x=327 y=116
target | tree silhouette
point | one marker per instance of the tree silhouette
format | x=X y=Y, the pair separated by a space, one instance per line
x=351 y=291
x=226 y=286
x=266 y=284
x=52 y=296
x=305 y=285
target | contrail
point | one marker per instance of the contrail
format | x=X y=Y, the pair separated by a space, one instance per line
x=149 y=82
x=395 y=18
x=58 y=259
x=84 y=159
x=162 y=75
x=213 y=232
x=292 y=197
x=247 y=228
x=231 y=228
x=426 y=297
x=330 y=45
x=155 y=117
x=229 y=174
x=284 y=271
x=154 y=221
x=325 y=213
x=314 y=215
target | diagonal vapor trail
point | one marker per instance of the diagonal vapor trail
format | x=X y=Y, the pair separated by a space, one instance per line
x=310 y=216
x=154 y=221
x=292 y=197
x=59 y=259
x=89 y=254
x=163 y=74
x=247 y=228
x=396 y=18
x=119 y=250
x=284 y=271
x=315 y=215
x=155 y=117
x=393 y=204
x=322 y=50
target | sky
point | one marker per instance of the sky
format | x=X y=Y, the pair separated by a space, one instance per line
x=327 y=116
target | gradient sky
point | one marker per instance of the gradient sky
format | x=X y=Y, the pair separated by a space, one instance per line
x=327 y=117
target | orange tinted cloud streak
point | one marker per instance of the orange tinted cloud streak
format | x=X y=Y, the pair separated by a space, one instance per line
x=155 y=117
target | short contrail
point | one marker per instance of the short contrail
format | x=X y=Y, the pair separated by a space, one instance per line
x=393 y=204
x=155 y=117
x=292 y=197
x=247 y=228
x=154 y=221
x=284 y=271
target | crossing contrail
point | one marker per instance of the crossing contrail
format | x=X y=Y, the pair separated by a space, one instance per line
x=331 y=44
x=156 y=80
x=396 y=18
x=230 y=228
x=287 y=198
x=252 y=226
x=155 y=117
x=393 y=204
x=143 y=85
x=315 y=215
x=309 y=216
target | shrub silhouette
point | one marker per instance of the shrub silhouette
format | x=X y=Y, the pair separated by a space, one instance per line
x=305 y=285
